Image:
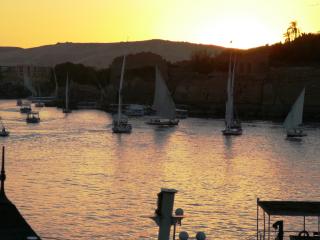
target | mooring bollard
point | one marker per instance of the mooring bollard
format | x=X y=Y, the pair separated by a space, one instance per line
x=201 y=236
x=183 y=236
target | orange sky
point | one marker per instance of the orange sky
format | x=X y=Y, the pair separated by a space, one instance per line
x=249 y=23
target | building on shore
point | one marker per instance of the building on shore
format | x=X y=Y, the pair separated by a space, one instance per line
x=34 y=78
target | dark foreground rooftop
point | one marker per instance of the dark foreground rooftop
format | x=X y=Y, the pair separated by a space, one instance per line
x=12 y=225
x=291 y=208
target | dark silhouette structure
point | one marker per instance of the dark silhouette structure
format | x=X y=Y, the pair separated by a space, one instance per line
x=278 y=225
x=303 y=209
x=12 y=225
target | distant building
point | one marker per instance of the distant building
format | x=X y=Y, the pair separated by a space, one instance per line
x=32 y=77
x=12 y=225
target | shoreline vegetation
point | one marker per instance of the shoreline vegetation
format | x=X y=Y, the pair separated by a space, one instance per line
x=268 y=79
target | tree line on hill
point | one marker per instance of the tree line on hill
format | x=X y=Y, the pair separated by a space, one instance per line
x=301 y=51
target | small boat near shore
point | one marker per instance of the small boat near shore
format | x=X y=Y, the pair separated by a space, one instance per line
x=33 y=117
x=4 y=132
x=25 y=108
x=39 y=104
x=162 y=121
x=19 y=102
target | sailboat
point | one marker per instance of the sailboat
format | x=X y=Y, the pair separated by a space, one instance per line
x=233 y=126
x=67 y=109
x=33 y=117
x=120 y=121
x=3 y=132
x=163 y=104
x=294 y=118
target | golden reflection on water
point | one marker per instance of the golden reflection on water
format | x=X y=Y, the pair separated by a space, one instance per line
x=73 y=179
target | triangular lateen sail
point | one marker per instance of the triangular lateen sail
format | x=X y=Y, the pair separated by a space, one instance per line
x=294 y=117
x=163 y=102
x=120 y=89
x=229 y=116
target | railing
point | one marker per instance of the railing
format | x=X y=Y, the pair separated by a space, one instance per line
x=286 y=235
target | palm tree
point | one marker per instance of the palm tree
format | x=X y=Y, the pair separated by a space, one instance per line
x=292 y=32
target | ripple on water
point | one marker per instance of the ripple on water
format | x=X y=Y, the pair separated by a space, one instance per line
x=73 y=179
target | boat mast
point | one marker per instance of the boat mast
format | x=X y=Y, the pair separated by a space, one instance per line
x=229 y=87
x=232 y=90
x=120 y=89
x=67 y=92
x=56 y=83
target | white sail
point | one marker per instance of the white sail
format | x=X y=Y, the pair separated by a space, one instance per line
x=120 y=90
x=294 y=117
x=163 y=102
x=229 y=115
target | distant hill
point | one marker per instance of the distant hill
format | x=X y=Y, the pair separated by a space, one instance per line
x=9 y=49
x=99 y=55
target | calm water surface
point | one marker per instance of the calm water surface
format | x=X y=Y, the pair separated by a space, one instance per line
x=73 y=179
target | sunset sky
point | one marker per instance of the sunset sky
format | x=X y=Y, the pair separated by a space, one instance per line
x=249 y=23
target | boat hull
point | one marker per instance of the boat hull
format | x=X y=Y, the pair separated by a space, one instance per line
x=33 y=120
x=163 y=122
x=4 y=133
x=39 y=104
x=232 y=132
x=122 y=128
x=295 y=133
x=66 y=111
x=182 y=113
x=25 y=110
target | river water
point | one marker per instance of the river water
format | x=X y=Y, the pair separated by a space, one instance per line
x=71 y=178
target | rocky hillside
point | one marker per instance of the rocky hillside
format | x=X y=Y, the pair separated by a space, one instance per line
x=99 y=55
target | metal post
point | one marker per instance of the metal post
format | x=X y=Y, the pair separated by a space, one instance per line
x=318 y=225
x=257 y=218
x=174 y=231
x=264 y=225
x=304 y=223
x=268 y=227
x=165 y=217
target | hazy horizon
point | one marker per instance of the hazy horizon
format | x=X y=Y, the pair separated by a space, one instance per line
x=247 y=23
x=115 y=42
